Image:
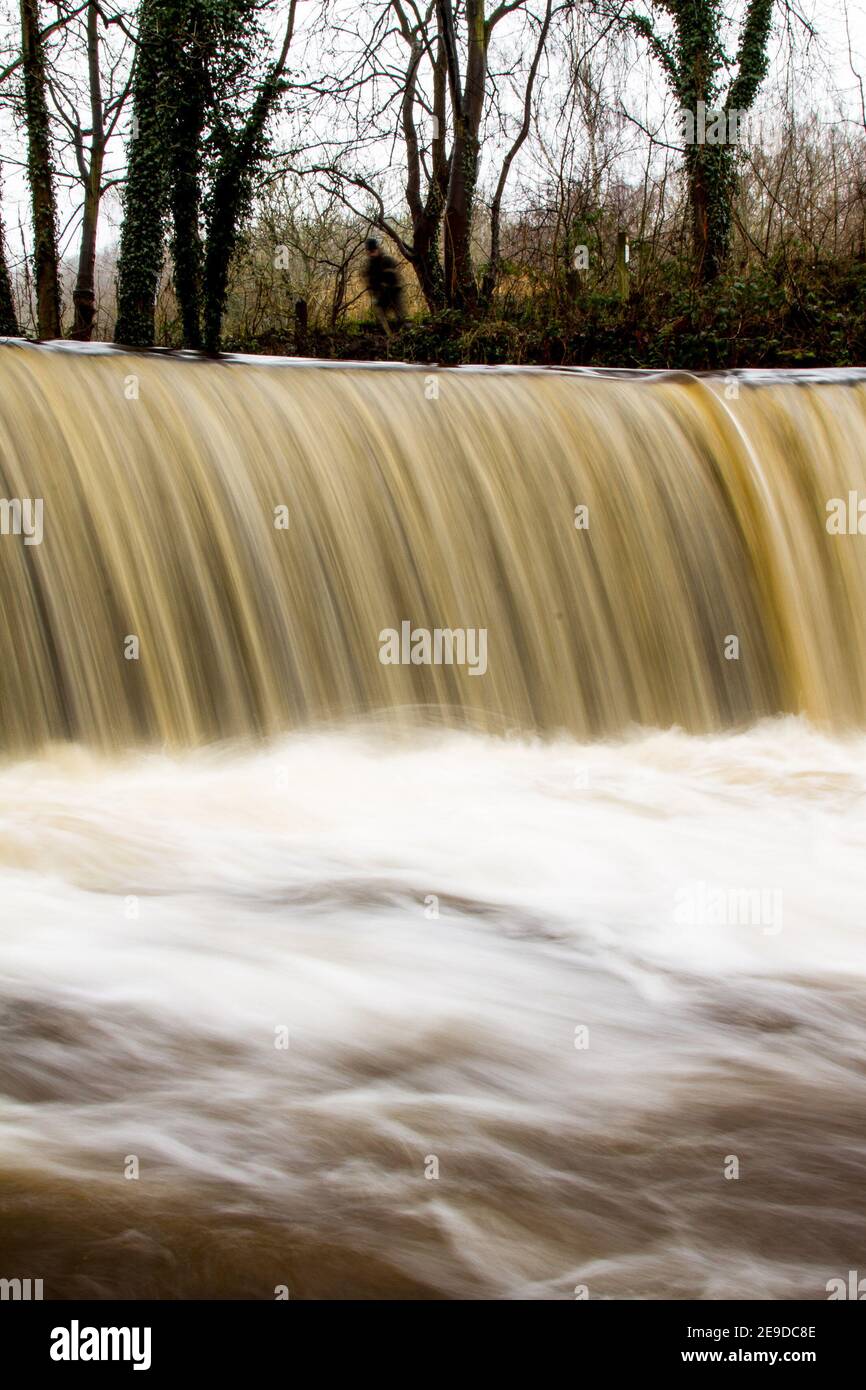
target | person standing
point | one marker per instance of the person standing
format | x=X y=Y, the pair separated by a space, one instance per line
x=383 y=281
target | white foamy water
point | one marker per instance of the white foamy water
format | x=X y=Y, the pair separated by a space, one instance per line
x=163 y=918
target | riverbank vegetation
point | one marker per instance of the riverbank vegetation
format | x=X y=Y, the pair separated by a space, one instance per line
x=626 y=184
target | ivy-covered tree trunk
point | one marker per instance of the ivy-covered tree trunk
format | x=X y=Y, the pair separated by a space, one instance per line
x=40 y=173
x=193 y=57
x=231 y=193
x=711 y=174
x=229 y=201
x=185 y=205
x=142 y=236
x=195 y=44
x=694 y=61
x=708 y=166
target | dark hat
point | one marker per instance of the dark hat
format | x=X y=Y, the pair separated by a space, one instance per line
x=371 y=244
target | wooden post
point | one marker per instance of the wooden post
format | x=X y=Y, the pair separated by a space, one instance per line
x=300 y=325
x=622 y=264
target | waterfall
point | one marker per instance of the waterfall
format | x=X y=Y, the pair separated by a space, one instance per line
x=224 y=545
x=432 y=831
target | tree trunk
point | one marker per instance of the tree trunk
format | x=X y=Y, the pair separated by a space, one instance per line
x=467 y=104
x=230 y=197
x=711 y=173
x=84 y=293
x=40 y=173
x=426 y=211
x=461 y=288
x=139 y=262
x=196 y=40
x=427 y=265
x=185 y=201
x=694 y=72
x=232 y=194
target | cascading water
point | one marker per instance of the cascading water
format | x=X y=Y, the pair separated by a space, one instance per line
x=163 y=482
x=450 y=979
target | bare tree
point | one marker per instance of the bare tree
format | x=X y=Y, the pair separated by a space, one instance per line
x=8 y=319
x=429 y=86
x=97 y=78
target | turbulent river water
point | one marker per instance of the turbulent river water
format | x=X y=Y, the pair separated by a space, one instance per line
x=449 y=987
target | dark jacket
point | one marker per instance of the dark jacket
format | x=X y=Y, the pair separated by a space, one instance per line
x=383 y=279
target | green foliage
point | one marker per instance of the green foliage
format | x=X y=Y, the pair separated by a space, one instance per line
x=145 y=200
x=694 y=64
x=790 y=312
x=232 y=194
x=197 y=59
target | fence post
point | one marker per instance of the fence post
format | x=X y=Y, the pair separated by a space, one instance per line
x=622 y=264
